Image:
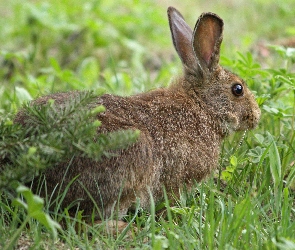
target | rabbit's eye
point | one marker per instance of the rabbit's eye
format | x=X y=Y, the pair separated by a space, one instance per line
x=237 y=89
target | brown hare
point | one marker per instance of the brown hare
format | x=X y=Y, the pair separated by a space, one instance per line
x=181 y=128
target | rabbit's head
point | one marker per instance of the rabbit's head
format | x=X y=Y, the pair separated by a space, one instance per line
x=220 y=92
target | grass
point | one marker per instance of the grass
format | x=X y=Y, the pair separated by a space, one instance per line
x=125 y=48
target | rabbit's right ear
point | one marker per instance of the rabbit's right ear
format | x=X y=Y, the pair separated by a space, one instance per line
x=206 y=42
x=182 y=40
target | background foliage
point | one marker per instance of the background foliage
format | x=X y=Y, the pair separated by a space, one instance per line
x=124 y=47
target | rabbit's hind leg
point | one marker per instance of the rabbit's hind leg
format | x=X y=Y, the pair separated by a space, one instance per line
x=116 y=227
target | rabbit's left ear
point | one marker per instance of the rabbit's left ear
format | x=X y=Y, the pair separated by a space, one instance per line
x=207 y=38
x=182 y=40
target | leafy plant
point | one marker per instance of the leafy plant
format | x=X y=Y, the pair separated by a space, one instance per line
x=54 y=134
x=34 y=208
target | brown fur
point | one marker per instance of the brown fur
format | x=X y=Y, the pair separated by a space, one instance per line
x=181 y=127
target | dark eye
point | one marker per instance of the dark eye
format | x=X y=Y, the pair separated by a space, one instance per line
x=237 y=89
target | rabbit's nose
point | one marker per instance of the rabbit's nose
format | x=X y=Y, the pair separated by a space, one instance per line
x=255 y=118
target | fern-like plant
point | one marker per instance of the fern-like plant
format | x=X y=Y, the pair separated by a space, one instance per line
x=52 y=134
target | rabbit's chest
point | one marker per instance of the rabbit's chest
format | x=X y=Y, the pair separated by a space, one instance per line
x=188 y=156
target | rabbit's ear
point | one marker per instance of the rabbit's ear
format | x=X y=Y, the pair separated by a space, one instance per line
x=182 y=39
x=207 y=38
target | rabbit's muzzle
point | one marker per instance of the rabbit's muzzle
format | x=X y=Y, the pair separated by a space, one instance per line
x=251 y=119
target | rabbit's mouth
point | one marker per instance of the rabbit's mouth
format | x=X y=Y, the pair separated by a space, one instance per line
x=251 y=121
x=234 y=123
x=230 y=125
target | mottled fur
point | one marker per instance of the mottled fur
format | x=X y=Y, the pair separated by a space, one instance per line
x=181 y=127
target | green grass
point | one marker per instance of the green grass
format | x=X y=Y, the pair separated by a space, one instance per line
x=125 y=48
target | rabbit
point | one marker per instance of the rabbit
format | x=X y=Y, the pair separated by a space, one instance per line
x=181 y=128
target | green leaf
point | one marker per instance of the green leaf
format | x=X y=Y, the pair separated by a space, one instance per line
x=234 y=161
x=259 y=138
x=34 y=207
x=240 y=211
x=275 y=161
x=225 y=175
x=22 y=94
x=160 y=242
x=98 y=109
